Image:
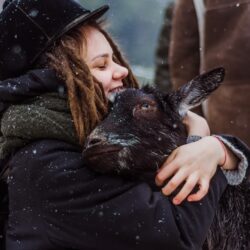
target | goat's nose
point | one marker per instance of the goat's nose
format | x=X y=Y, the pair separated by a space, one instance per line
x=94 y=141
x=95 y=138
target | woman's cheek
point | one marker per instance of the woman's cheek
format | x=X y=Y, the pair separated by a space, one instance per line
x=104 y=77
x=95 y=73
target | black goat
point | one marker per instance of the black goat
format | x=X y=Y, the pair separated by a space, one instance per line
x=142 y=129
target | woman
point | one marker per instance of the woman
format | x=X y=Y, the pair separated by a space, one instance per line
x=55 y=201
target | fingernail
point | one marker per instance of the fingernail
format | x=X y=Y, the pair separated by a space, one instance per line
x=165 y=192
x=190 y=199
x=176 y=201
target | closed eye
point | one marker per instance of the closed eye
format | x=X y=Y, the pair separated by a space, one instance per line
x=102 y=67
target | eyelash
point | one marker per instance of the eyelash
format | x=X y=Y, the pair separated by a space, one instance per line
x=102 y=67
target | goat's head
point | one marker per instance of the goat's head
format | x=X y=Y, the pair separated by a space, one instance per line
x=144 y=126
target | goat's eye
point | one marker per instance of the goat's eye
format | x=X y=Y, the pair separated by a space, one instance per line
x=145 y=106
x=145 y=109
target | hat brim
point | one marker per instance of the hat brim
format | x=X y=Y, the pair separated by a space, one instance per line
x=93 y=15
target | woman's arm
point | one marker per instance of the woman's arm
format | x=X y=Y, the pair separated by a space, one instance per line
x=196 y=163
x=197 y=125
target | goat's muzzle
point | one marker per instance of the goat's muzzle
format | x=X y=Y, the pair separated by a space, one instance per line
x=97 y=144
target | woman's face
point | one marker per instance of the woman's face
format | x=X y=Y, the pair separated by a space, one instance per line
x=99 y=57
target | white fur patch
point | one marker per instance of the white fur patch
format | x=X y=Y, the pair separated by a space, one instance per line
x=114 y=139
x=122 y=156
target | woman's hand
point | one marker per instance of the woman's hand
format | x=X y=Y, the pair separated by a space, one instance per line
x=194 y=163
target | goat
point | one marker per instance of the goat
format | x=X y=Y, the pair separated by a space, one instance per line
x=143 y=127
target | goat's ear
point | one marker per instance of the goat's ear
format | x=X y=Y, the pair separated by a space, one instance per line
x=197 y=90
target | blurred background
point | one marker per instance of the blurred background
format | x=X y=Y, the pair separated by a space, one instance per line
x=135 y=25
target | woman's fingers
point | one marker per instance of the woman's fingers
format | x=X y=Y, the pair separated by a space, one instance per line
x=165 y=172
x=186 y=189
x=203 y=189
x=171 y=157
x=175 y=181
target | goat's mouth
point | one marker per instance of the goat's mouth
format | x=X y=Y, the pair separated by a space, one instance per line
x=96 y=152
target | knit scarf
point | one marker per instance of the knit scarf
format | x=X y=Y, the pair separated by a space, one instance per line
x=43 y=117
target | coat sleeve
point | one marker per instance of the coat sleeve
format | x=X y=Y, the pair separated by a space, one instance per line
x=57 y=203
x=242 y=151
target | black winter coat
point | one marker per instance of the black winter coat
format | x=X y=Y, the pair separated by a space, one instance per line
x=58 y=203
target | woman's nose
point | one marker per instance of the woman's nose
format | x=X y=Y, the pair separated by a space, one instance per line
x=120 y=72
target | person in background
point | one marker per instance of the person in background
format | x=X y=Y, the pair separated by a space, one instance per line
x=207 y=34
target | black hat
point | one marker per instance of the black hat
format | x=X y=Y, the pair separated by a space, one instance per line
x=29 y=27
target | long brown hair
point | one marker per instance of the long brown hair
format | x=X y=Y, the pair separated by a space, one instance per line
x=86 y=97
